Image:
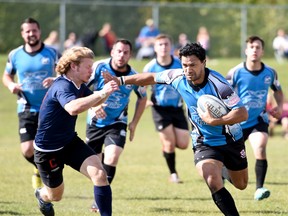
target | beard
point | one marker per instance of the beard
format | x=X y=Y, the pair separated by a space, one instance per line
x=33 y=41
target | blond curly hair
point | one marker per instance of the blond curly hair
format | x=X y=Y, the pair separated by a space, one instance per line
x=73 y=55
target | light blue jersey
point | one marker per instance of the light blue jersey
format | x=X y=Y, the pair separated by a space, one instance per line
x=252 y=87
x=164 y=95
x=117 y=102
x=214 y=84
x=31 y=69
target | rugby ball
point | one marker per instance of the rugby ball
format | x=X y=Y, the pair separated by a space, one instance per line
x=215 y=105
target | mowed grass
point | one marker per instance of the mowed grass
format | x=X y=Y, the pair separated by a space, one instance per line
x=141 y=184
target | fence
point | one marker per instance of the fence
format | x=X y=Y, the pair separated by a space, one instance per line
x=228 y=24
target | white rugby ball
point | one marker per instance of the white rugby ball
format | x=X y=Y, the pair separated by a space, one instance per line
x=215 y=105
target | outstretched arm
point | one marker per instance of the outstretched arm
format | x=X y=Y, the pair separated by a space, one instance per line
x=142 y=79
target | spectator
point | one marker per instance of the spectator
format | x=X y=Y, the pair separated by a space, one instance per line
x=71 y=41
x=53 y=40
x=280 y=45
x=182 y=41
x=145 y=40
x=109 y=37
x=204 y=39
x=89 y=40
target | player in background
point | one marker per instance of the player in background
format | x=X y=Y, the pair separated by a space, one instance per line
x=251 y=80
x=167 y=107
x=33 y=64
x=56 y=142
x=107 y=124
x=216 y=141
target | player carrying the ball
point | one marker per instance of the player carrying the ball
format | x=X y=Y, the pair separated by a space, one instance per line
x=216 y=141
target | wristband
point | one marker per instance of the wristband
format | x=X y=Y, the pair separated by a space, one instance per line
x=122 y=80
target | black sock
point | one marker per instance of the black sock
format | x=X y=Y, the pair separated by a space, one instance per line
x=30 y=160
x=170 y=160
x=260 y=170
x=103 y=198
x=110 y=170
x=225 y=202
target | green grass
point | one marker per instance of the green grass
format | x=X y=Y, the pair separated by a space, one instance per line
x=141 y=184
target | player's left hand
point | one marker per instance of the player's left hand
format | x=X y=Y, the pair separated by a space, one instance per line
x=276 y=112
x=131 y=128
x=108 y=77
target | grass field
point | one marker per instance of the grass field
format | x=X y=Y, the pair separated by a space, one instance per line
x=141 y=184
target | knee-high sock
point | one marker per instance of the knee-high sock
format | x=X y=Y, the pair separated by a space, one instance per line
x=170 y=160
x=260 y=170
x=110 y=170
x=103 y=198
x=225 y=202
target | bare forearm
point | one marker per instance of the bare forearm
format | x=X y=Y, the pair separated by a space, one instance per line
x=142 y=79
x=80 y=105
x=233 y=117
x=140 y=107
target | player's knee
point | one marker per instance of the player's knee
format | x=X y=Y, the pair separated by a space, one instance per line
x=99 y=177
x=241 y=185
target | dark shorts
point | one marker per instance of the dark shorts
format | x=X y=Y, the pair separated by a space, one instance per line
x=232 y=155
x=260 y=127
x=51 y=164
x=28 y=123
x=164 y=116
x=110 y=135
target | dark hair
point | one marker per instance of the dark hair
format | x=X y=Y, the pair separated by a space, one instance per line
x=30 y=20
x=193 y=49
x=124 y=41
x=253 y=38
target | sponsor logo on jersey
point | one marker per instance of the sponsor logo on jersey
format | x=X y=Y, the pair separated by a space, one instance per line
x=232 y=100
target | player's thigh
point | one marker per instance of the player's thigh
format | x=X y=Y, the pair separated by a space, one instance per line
x=112 y=154
x=239 y=178
x=258 y=141
x=182 y=138
x=167 y=136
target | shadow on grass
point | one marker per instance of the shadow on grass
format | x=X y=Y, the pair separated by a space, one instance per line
x=9 y=213
x=166 y=198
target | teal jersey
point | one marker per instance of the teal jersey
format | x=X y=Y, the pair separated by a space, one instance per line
x=117 y=102
x=31 y=69
x=252 y=87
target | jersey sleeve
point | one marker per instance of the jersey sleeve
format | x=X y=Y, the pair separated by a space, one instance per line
x=168 y=76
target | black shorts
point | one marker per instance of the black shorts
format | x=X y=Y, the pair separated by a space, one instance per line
x=164 y=116
x=51 y=164
x=110 y=135
x=232 y=155
x=260 y=127
x=28 y=123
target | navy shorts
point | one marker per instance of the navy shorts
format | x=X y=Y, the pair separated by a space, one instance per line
x=51 y=164
x=28 y=123
x=232 y=155
x=110 y=135
x=164 y=116
x=260 y=127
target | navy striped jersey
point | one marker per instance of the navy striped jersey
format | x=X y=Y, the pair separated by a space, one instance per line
x=117 y=102
x=213 y=84
x=164 y=95
x=252 y=87
x=56 y=126
x=31 y=69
